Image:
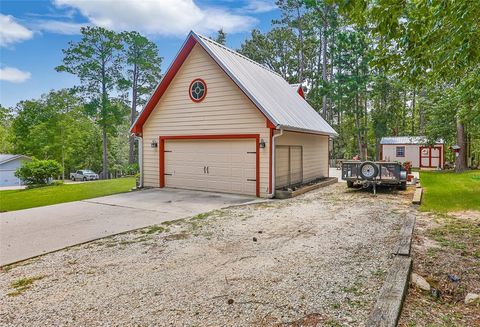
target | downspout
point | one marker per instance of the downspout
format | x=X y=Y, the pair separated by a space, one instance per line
x=140 y=159
x=274 y=137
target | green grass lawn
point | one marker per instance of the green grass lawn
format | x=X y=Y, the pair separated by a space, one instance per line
x=23 y=199
x=448 y=191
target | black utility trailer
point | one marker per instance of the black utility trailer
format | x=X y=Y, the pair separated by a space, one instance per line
x=366 y=173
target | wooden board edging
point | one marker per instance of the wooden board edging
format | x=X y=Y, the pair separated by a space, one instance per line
x=279 y=194
x=388 y=307
x=417 y=196
x=406 y=233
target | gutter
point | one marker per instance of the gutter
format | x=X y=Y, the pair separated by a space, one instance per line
x=140 y=159
x=273 y=145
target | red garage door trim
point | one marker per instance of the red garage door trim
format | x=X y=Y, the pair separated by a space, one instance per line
x=256 y=137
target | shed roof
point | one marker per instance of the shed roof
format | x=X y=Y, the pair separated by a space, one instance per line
x=4 y=158
x=272 y=95
x=407 y=140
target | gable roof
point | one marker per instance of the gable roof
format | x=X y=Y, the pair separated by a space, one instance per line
x=407 y=140
x=271 y=94
x=4 y=158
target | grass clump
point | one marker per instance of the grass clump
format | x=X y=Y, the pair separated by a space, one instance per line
x=23 y=284
x=154 y=229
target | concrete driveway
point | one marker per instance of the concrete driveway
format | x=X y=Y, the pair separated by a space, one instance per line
x=31 y=232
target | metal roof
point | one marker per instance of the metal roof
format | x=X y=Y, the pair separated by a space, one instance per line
x=274 y=96
x=407 y=140
x=9 y=157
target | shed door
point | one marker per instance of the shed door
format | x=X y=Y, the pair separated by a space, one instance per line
x=211 y=165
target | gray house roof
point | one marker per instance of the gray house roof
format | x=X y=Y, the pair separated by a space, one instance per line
x=407 y=140
x=273 y=95
x=4 y=158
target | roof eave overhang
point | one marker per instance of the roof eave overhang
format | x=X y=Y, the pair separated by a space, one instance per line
x=306 y=131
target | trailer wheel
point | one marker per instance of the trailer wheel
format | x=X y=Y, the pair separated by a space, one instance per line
x=368 y=170
x=350 y=184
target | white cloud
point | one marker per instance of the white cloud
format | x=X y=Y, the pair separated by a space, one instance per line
x=13 y=75
x=164 y=17
x=59 y=27
x=11 y=31
x=260 y=6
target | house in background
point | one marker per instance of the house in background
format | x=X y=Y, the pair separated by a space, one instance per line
x=413 y=149
x=8 y=165
x=219 y=121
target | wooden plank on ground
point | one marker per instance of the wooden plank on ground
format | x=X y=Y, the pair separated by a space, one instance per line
x=406 y=234
x=417 y=196
x=388 y=307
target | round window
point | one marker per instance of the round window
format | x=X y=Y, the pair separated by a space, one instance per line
x=198 y=90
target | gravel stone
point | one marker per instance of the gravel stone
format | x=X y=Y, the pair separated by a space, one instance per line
x=322 y=260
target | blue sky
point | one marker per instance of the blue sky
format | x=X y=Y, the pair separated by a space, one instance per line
x=33 y=33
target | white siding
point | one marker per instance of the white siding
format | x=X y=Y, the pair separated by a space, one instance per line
x=389 y=153
x=315 y=153
x=225 y=110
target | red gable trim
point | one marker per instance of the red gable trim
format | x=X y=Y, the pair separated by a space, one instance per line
x=165 y=82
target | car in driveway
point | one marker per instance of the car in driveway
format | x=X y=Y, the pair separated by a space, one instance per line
x=84 y=175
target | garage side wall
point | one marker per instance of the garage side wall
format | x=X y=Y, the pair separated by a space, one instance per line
x=225 y=110
x=389 y=153
x=315 y=152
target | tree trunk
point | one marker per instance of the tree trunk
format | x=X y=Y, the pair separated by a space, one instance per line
x=421 y=115
x=104 y=127
x=324 y=66
x=413 y=112
x=105 y=153
x=460 y=161
x=357 y=126
x=301 y=60
x=133 y=114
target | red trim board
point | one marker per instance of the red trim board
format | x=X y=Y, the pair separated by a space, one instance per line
x=166 y=80
x=256 y=137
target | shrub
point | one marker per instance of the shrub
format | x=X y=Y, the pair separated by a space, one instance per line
x=131 y=169
x=38 y=171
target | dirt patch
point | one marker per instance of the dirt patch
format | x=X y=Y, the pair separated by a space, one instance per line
x=446 y=252
x=318 y=259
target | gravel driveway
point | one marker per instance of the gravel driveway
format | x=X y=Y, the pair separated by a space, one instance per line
x=318 y=259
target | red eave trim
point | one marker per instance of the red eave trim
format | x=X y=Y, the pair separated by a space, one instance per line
x=162 y=87
x=256 y=137
x=300 y=91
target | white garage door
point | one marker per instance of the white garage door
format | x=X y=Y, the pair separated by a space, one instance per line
x=211 y=165
x=7 y=178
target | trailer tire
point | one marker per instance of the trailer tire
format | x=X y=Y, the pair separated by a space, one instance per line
x=368 y=170
x=350 y=184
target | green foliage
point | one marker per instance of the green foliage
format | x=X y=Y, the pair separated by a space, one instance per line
x=57 y=127
x=6 y=145
x=30 y=198
x=38 y=171
x=131 y=169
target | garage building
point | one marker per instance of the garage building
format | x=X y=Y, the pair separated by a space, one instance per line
x=221 y=122
x=8 y=165
x=414 y=149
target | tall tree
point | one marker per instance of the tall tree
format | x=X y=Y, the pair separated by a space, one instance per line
x=6 y=145
x=96 y=60
x=221 y=37
x=143 y=73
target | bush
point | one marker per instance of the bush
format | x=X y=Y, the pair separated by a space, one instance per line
x=131 y=169
x=38 y=171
